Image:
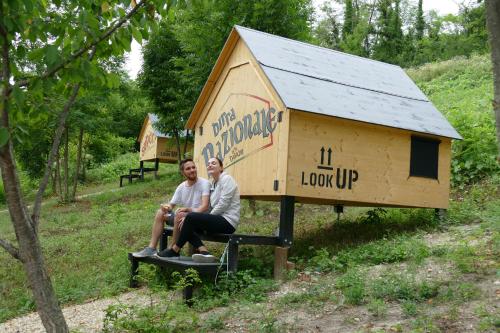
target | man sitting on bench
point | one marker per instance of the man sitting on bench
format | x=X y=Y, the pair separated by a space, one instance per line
x=192 y=195
x=223 y=218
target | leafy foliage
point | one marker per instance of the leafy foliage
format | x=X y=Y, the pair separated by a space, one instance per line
x=161 y=78
x=398 y=32
x=461 y=89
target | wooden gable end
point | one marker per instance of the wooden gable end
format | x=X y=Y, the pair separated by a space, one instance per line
x=243 y=122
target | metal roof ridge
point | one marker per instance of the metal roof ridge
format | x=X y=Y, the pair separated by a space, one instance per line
x=344 y=84
x=317 y=46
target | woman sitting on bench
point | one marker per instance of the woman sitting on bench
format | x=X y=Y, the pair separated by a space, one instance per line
x=223 y=217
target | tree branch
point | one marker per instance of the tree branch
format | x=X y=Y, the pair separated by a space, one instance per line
x=11 y=249
x=5 y=75
x=84 y=49
x=37 y=206
x=55 y=147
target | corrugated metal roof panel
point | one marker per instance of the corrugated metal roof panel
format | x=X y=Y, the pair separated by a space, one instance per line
x=315 y=79
x=318 y=96
x=154 y=119
x=330 y=65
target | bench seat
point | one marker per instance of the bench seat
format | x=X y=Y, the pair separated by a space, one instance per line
x=206 y=269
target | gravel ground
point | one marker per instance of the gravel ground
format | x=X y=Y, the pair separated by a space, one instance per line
x=86 y=317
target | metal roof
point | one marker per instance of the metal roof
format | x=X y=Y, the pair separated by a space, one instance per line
x=324 y=81
x=154 y=119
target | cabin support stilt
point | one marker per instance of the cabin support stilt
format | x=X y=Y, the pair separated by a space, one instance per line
x=280 y=260
x=142 y=170
x=440 y=214
x=157 y=166
x=287 y=210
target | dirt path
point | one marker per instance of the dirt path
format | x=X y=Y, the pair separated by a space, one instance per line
x=87 y=317
x=78 y=197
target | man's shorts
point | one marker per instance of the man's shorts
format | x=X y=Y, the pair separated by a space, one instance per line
x=169 y=218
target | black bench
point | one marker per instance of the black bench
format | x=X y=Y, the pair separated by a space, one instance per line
x=139 y=172
x=204 y=269
x=233 y=241
x=180 y=264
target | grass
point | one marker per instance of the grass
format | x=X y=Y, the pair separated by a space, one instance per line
x=85 y=245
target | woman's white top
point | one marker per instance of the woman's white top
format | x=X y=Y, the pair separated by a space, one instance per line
x=225 y=199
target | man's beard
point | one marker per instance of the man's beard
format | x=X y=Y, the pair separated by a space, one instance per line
x=192 y=178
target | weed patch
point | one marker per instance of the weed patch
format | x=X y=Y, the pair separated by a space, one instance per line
x=402 y=287
x=353 y=286
x=377 y=307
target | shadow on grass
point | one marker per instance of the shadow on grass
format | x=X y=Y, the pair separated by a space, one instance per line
x=371 y=226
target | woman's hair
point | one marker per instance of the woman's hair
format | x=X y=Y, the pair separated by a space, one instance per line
x=183 y=162
x=220 y=162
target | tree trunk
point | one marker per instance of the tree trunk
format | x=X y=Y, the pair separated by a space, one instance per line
x=366 y=41
x=58 y=175
x=25 y=226
x=186 y=143
x=178 y=143
x=53 y=181
x=29 y=247
x=30 y=251
x=66 y=166
x=78 y=161
x=84 y=166
x=493 y=25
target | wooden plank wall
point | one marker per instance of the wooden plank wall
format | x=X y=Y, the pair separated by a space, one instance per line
x=375 y=159
x=166 y=150
x=239 y=122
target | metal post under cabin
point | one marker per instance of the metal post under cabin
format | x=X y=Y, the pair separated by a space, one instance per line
x=142 y=170
x=440 y=214
x=157 y=165
x=232 y=256
x=163 y=240
x=188 y=295
x=134 y=270
x=287 y=209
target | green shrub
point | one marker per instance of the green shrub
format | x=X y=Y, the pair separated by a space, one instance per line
x=352 y=286
x=391 y=286
x=28 y=185
x=243 y=285
x=112 y=170
x=105 y=148
x=462 y=292
x=377 y=307
x=409 y=308
x=474 y=157
x=175 y=317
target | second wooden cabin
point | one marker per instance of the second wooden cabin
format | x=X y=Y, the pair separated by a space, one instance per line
x=293 y=119
x=155 y=145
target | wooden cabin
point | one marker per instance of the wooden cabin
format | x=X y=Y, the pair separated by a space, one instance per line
x=156 y=145
x=290 y=119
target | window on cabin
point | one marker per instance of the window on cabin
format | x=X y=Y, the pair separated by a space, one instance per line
x=424 y=157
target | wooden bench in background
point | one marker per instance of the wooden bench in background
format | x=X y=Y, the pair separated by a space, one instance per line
x=139 y=172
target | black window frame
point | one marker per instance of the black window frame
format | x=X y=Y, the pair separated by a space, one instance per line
x=417 y=169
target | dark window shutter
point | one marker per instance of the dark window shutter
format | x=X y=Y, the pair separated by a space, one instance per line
x=424 y=157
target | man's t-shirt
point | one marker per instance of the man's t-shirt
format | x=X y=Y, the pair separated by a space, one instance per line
x=190 y=196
